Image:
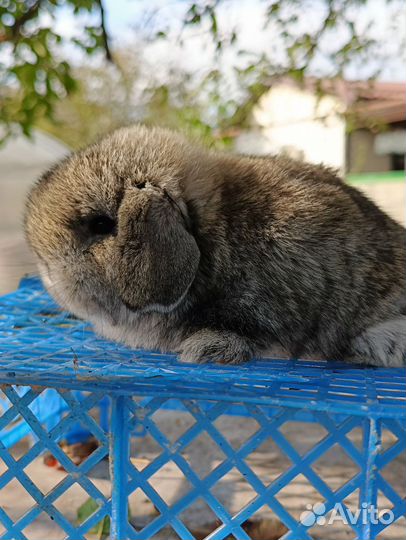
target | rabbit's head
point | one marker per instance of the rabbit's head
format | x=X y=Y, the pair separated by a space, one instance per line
x=110 y=226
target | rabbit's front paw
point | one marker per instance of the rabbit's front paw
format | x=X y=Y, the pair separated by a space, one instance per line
x=381 y=345
x=212 y=346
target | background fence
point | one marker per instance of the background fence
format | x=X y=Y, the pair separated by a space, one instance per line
x=184 y=451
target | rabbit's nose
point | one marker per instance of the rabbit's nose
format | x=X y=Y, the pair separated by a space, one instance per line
x=136 y=204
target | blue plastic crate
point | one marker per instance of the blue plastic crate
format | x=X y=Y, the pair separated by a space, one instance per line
x=48 y=353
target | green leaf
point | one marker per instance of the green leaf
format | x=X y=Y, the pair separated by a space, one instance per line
x=88 y=508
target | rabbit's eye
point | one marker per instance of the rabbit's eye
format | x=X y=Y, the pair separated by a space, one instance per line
x=102 y=225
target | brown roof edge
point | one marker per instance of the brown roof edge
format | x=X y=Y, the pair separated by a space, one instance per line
x=376 y=100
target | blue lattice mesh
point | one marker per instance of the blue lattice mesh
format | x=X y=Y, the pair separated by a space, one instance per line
x=194 y=451
x=47 y=440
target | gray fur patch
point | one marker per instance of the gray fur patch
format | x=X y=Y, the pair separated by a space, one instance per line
x=382 y=345
x=211 y=346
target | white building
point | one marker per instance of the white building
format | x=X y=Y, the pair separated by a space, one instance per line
x=354 y=127
x=289 y=120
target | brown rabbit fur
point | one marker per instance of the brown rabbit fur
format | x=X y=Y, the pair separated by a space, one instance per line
x=164 y=245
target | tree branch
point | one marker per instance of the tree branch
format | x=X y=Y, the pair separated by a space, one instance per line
x=15 y=30
x=25 y=17
x=105 y=35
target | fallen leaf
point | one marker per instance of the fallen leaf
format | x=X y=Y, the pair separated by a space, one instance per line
x=88 y=508
x=50 y=460
x=265 y=529
x=77 y=452
x=258 y=529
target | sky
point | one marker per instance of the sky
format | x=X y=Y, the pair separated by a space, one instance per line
x=126 y=22
x=387 y=26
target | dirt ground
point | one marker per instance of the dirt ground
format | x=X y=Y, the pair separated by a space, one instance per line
x=233 y=491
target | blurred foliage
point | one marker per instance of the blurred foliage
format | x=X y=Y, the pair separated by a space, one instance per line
x=102 y=101
x=109 y=97
x=39 y=86
x=37 y=77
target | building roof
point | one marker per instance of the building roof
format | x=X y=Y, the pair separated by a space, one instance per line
x=372 y=102
x=380 y=102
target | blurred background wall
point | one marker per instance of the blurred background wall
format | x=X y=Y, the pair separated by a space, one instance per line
x=22 y=161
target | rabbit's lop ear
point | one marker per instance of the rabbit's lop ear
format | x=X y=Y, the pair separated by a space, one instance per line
x=157 y=255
